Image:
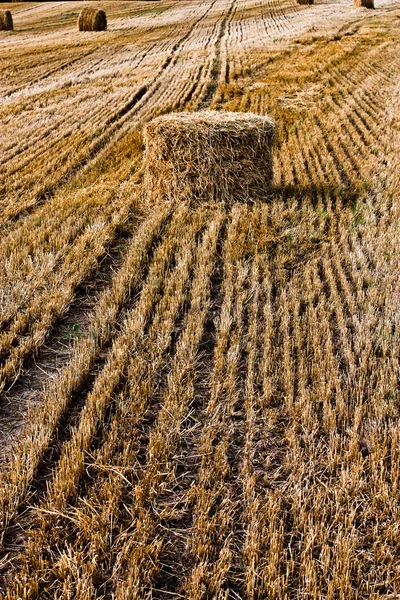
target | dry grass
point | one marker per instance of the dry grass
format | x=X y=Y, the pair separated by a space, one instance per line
x=225 y=423
x=6 y=21
x=92 y=19
x=209 y=156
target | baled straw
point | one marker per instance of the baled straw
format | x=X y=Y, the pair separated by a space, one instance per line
x=92 y=19
x=364 y=3
x=209 y=156
x=6 y=20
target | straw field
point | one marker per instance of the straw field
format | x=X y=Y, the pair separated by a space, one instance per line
x=200 y=401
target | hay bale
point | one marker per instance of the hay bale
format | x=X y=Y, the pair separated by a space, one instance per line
x=364 y=3
x=6 y=20
x=209 y=156
x=305 y=1
x=92 y=19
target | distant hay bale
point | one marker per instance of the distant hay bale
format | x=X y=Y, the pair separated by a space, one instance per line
x=92 y=19
x=6 y=20
x=209 y=156
x=364 y=3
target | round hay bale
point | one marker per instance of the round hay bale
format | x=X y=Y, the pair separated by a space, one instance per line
x=6 y=20
x=209 y=156
x=92 y=19
x=364 y=3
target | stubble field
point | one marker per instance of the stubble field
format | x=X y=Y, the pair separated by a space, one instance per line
x=200 y=402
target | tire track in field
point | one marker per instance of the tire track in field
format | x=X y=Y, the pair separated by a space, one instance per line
x=208 y=73
x=215 y=73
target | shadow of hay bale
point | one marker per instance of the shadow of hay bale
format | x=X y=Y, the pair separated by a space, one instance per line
x=92 y=19
x=346 y=194
x=208 y=157
x=6 y=21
